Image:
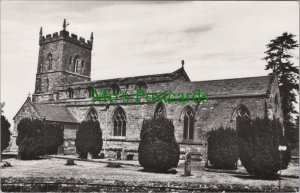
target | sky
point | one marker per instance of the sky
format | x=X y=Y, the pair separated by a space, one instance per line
x=217 y=40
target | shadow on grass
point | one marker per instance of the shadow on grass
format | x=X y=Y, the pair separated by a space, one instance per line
x=250 y=177
x=221 y=169
x=171 y=171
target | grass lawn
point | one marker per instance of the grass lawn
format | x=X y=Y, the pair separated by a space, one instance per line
x=94 y=172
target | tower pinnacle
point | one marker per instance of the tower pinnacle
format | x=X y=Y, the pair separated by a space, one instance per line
x=41 y=31
x=64 y=25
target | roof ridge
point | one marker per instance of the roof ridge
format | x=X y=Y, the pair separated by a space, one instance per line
x=131 y=77
x=230 y=79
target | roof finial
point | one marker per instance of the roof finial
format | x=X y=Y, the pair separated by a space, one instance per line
x=29 y=94
x=92 y=37
x=64 y=25
x=182 y=63
x=41 y=31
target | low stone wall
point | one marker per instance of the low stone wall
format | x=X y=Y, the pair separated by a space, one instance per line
x=88 y=185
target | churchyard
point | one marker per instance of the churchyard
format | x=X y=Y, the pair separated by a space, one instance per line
x=49 y=173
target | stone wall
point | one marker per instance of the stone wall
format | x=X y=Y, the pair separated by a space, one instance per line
x=214 y=113
x=70 y=131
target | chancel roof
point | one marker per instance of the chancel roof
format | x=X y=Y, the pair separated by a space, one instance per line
x=229 y=87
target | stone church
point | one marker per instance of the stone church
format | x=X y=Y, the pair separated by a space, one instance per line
x=63 y=93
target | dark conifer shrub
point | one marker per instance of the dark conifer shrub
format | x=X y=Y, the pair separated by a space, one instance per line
x=89 y=139
x=158 y=149
x=30 y=138
x=38 y=137
x=5 y=133
x=23 y=130
x=258 y=147
x=30 y=148
x=53 y=137
x=223 y=148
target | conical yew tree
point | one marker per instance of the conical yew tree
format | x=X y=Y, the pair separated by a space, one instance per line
x=258 y=147
x=158 y=149
x=223 y=150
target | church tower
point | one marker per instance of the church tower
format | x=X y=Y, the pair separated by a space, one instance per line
x=63 y=59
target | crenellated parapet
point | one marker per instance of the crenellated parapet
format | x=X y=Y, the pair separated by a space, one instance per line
x=65 y=35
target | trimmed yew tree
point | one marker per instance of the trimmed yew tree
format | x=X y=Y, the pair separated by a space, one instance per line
x=53 y=137
x=89 y=139
x=223 y=148
x=38 y=137
x=258 y=147
x=30 y=138
x=5 y=133
x=158 y=149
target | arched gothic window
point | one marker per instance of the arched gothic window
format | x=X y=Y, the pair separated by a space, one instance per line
x=242 y=116
x=242 y=113
x=76 y=61
x=160 y=111
x=119 y=120
x=70 y=93
x=188 y=123
x=92 y=115
x=49 y=61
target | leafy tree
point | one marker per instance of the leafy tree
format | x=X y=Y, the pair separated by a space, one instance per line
x=158 y=149
x=5 y=133
x=258 y=147
x=223 y=150
x=89 y=139
x=278 y=57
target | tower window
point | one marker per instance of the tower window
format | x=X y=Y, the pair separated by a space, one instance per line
x=76 y=61
x=47 y=84
x=49 y=60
